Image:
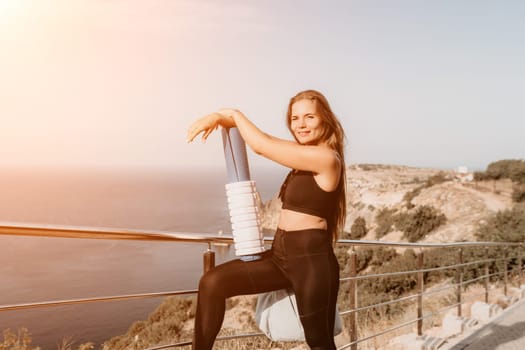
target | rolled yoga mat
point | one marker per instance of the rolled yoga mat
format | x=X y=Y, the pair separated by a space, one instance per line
x=242 y=198
x=235 y=155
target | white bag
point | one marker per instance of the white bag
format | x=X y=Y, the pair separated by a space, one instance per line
x=277 y=316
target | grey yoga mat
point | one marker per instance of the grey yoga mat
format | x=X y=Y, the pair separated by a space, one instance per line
x=235 y=155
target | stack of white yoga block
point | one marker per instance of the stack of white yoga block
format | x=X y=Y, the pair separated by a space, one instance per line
x=245 y=218
x=242 y=198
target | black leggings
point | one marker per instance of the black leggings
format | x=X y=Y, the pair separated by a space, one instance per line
x=302 y=260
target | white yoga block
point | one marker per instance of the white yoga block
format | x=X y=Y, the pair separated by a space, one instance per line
x=245 y=218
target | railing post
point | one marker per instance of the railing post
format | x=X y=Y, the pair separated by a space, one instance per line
x=421 y=289
x=505 y=270
x=520 y=265
x=486 y=275
x=459 y=282
x=353 y=298
x=208 y=259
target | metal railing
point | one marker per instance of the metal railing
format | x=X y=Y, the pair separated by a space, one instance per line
x=499 y=259
x=421 y=292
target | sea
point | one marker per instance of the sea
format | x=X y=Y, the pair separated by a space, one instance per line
x=34 y=269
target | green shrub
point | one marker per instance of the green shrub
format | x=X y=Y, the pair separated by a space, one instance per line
x=364 y=256
x=368 y=257
x=358 y=229
x=412 y=194
x=498 y=169
x=513 y=169
x=518 y=192
x=414 y=224
x=504 y=226
x=385 y=221
x=418 y=223
x=436 y=179
x=382 y=255
x=480 y=176
x=372 y=291
x=439 y=257
x=517 y=172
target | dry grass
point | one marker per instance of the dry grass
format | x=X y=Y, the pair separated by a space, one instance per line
x=21 y=340
x=68 y=344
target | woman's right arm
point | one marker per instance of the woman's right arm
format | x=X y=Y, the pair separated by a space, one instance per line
x=319 y=159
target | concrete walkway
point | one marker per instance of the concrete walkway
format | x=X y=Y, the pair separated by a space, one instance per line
x=505 y=332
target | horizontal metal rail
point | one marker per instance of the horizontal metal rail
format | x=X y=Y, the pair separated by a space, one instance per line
x=210 y=239
x=464 y=283
x=430 y=245
x=111 y=234
x=92 y=300
x=374 y=306
x=446 y=308
x=63 y=231
x=411 y=272
x=439 y=290
x=223 y=338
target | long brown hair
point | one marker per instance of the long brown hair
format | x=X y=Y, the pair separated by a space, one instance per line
x=334 y=136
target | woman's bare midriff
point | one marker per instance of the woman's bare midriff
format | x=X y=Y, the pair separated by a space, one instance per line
x=291 y=220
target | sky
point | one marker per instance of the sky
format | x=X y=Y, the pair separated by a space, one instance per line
x=116 y=83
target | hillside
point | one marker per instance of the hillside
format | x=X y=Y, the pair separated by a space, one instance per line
x=373 y=187
x=370 y=188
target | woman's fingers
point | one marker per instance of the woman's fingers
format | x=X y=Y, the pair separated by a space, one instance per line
x=195 y=129
x=192 y=132
x=205 y=134
x=205 y=124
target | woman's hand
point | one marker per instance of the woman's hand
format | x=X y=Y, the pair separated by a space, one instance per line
x=210 y=122
x=205 y=124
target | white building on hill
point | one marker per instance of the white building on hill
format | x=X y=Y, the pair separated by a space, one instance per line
x=462 y=174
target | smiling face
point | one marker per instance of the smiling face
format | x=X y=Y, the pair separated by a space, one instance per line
x=305 y=122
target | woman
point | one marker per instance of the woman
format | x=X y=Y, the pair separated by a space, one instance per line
x=313 y=212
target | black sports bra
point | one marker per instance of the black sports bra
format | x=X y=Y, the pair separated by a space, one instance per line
x=301 y=193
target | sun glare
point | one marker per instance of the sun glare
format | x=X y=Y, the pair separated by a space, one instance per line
x=11 y=7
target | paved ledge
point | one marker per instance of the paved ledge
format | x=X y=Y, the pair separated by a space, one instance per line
x=505 y=332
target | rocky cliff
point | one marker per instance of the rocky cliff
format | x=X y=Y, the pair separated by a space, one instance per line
x=371 y=188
